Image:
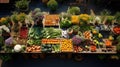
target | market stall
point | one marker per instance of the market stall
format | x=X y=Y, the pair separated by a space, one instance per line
x=61 y=33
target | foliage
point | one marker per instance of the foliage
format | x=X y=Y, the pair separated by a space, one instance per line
x=105 y=12
x=110 y=19
x=52 y=4
x=65 y=23
x=37 y=15
x=117 y=17
x=37 y=10
x=118 y=47
x=84 y=28
x=73 y=10
x=118 y=38
x=14 y=17
x=51 y=33
x=35 y=33
x=75 y=28
x=21 y=17
x=84 y=18
x=4 y=20
x=34 y=42
x=22 y=4
x=65 y=15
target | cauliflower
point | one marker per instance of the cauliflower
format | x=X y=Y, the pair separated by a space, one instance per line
x=17 y=48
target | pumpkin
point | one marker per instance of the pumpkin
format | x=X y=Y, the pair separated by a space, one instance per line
x=93 y=48
x=116 y=30
x=108 y=42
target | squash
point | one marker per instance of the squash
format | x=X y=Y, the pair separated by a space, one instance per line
x=107 y=42
x=75 y=19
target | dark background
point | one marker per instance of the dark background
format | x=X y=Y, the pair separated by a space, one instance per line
x=96 y=5
x=90 y=60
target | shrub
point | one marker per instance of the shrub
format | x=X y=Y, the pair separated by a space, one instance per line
x=73 y=10
x=52 y=4
x=22 y=4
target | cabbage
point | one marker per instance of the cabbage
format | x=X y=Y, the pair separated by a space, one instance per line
x=76 y=40
x=9 y=41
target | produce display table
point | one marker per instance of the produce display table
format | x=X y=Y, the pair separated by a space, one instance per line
x=56 y=34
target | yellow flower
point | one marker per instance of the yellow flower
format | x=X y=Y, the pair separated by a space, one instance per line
x=3 y=19
x=21 y=16
x=75 y=19
x=84 y=19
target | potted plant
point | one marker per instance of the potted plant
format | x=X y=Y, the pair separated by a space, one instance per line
x=15 y=26
x=22 y=5
x=37 y=16
x=5 y=21
x=73 y=10
x=52 y=4
x=21 y=18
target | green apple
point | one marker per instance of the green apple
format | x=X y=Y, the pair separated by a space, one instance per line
x=111 y=37
x=100 y=35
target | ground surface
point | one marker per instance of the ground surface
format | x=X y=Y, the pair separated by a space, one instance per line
x=89 y=61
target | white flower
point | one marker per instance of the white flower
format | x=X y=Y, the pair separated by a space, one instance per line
x=17 y=48
x=4 y=27
x=98 y=19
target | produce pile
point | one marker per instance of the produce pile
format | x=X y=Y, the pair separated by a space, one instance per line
x=74 y=33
